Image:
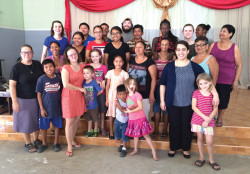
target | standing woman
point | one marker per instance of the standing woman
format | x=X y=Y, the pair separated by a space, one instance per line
x=57 y=33
x=188 y=31
x=99 y=43
x=72 y=95
x=78 y=39
x=201 y=30
x=117 y=47
x=143 y=69
x=165 y=29
x=229 y=59
x=23 y=79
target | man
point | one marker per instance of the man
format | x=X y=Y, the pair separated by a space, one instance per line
x=105 y=28
x=127 y=29
x=137 y=33
x=84 y=28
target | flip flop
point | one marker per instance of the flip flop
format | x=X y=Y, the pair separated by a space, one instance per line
x=69 y=154
x=76 y=145
x=199 y=163
x=213 y=165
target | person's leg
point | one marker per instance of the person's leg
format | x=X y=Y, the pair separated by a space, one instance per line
x=135 y=151
x=111 y=130
x=221 y=113
x=44 y=136
x=56 y=135
x=149 y=141
x=26 y=137
x=75 y=127
x=28 y=146
x=35 y=135
x=165 y=126
x=200 y=145
x=69 y=132
x=102 y=120
x=210 y=148
x=89 y=125
x=157 y=120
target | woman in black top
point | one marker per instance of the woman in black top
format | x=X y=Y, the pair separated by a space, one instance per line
x=78 y=39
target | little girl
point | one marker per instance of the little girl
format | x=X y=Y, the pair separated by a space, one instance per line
x=114 y=78
x=100 y=72
x=203 y=118
x=138 y=124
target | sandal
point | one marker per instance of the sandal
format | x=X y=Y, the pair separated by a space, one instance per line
x=213 y=165
x=69 y=154
x=219 y=124
x=37 y=143
x=76 y=145
x=29 y=148
x=199 y=163
x=95 y=134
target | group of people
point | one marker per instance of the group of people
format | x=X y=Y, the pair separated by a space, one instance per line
x=186 y=81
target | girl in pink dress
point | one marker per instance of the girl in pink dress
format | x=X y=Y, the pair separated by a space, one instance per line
x=115 y=77
x=203 y=118
x=138 y=124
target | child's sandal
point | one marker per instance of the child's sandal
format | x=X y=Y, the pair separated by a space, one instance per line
x=95 y=134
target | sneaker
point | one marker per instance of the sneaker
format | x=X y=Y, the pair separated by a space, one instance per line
x=120 y=148
x=89 y=134
x=37 y=143
x=42 y=148
x=95 y=134
x=123 y=153
x=57 y=148
x=103 y=131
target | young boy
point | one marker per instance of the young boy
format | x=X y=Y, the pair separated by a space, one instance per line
x=49 y=89
x=121 y=121
x=92 y=91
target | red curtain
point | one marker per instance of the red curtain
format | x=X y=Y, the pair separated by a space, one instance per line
x=222 y=4
x=93 y=6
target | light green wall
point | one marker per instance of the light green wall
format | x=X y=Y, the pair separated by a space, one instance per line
x=39 y=14
x=11 y=14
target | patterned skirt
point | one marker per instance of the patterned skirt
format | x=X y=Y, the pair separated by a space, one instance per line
x=138 y=127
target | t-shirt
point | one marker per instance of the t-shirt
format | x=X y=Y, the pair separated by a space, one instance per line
x=141 y=74
x=112 y=51
x=63 y=44
x=51 y=90
x=204 y=104
x=132 y=102
x=121 y=116
x=93 y=45
x=26 y=77
x=89 y=38
x=92 y=89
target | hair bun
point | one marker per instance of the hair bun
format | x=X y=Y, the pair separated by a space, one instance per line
x=208 y=27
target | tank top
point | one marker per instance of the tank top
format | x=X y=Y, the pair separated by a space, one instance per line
x=204 y=65
x=226 y=61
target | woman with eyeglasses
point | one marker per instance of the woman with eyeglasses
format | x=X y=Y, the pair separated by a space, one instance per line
x=23 y=79
x=116 y=47
x=204 y=59
x=72 y=95
x=99 y=43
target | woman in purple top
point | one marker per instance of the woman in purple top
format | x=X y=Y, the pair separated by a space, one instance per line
x=229 y=59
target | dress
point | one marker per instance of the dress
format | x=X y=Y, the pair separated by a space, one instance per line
x=73 y=103
x=115 y=81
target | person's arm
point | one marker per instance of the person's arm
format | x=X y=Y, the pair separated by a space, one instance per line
x=210 y=48
x=213 y=113
x=197 y=111
x=216 y=99
x=66 y=84
x=87 y=58
x=40 y=102
x=107 y=92
x=119 y=106
x=15 y=104
x=44 y=53
x=238 y=64
x=127 y=57
x=153 y=44
x=153 y=72
x=214 y=69
x=106 y=57
x=162 y=97
x=138 y=108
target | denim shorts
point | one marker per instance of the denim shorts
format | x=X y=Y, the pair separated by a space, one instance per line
x=156 y=105
x=120 y=129
x=44 y=123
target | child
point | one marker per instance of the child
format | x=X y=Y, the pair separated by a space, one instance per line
x=138 y=124
x=203 y=118
x=49 y=89
x=121 y=121
x=92 y=91
x=100 y=72
x=114 y=78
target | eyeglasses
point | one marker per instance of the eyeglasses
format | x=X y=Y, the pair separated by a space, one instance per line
x=74 y=54
x=98 y=32
x=115 y=33
x=28 y=53
x=201 y=45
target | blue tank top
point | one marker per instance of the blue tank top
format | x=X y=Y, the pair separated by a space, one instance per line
x=204 y=64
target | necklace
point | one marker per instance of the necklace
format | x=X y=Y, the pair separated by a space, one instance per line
x=30 y=70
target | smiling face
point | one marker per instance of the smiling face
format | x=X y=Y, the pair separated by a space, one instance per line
x=98 y=33
x=72 y=55
x=201 y=47
x=200 y=32
x=116 y=35
x=54 y=48
x=118 y=62
x=224 y=34
x=95 y=57
x=84 y=29
x=26 y=54
x=204 y=85
x=188 y=32
x=132 y=86
x=77 y=39
x=105 y=29
x=137 y=33
x=49 y=69
x=57 y=28
x=181 y=52
x=139 y=49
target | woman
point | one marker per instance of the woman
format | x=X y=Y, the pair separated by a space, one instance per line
x=57 y=33
x=56 y=57
x=23 y=79
x=116 y=47
x=229 y=59
x=204 y=59
x=143 y=69
x=166 y=33
x=188 y=31
x=201 y=30
x=99 y=43
x=72 y=95
x=78 y=39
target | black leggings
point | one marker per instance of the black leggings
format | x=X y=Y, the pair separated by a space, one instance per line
x=180 y=134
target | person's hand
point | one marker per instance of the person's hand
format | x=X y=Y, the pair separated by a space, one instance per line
x=151 y=98
x=163 y=106
x=216 y=100
x=107 y=103
x=127 y=111
x=116 y=100
x=204 y=124
x=43 y=113
x=15 y=106
x=102 y=84
x=83 y=90
x=207 y=119
x=235 y=85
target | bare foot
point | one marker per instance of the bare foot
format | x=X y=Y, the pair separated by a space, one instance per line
x=133 y=153
x=155 y=157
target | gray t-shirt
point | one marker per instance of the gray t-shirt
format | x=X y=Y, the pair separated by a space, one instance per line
x=121 y=116
x=127 y=36
x=184 y=89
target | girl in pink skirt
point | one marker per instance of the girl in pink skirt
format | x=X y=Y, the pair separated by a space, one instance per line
x=138 y=124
